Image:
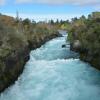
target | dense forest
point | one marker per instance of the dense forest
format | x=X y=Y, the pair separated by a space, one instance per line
x=84 y=37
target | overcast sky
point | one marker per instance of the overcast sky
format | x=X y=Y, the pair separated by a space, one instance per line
x=49 y=9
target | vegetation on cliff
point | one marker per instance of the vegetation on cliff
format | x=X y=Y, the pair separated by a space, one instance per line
x=17 y=38
x=87 y=32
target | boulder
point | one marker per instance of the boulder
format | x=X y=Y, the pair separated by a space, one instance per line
x=63 y=46
x=76 y=46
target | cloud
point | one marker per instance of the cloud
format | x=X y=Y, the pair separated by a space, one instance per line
x=57 y=2
x=2 y=2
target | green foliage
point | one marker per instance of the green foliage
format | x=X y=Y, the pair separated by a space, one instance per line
x=26 y=21
x=87 y=32
x=14 y=35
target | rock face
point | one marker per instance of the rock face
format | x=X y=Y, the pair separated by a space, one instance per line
x=85 y=54
x=36 y=44
x=91 y=58
x=75 y=46
x=13 y=64
x=13 y=67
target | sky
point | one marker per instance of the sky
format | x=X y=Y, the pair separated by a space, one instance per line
x=49 y=9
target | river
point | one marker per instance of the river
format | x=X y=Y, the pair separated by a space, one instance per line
x=55 y=73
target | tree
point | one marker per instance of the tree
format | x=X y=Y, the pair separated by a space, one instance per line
x=26 y=21
x=74 y=19
x=57 y=21
x=51 y=22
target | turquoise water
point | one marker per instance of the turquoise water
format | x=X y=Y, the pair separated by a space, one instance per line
x=48 y=76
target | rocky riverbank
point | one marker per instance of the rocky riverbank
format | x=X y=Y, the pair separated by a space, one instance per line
x=86 y=55
x=14 y=63
x=17 y=39
x=84 y=37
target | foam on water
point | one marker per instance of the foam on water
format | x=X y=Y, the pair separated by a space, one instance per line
x=48 y=76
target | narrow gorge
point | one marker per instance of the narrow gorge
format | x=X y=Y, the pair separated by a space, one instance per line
x=55 y=73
